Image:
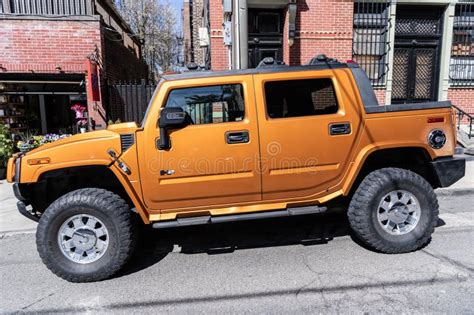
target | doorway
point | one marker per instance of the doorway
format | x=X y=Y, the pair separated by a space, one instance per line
x=265 y=38
x=417 y=51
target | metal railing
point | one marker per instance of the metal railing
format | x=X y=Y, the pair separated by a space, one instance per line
x=460 y=115
x=461 y=70
x=371 y=38
x=46 y=7
x=128 y=100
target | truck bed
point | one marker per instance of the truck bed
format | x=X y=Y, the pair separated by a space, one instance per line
x=406 y=107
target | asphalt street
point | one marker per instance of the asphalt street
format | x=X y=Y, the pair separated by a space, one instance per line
x=307 y=265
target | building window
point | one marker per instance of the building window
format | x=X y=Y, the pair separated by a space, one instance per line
x=41 y=7
x=210 y=104
x=461 y=70
x=299 y=98
x=371 y=38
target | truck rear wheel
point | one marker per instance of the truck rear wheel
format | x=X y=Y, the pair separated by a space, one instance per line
x=86 y=235
x=394 y=211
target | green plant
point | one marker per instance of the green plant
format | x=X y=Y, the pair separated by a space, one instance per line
x=6 y=145
x=29 y=141
x=111 y=122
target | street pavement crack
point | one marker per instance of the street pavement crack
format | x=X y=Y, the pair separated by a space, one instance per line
x=316 y=278
x=310 y=282
x=451 y=261
x=37 y=301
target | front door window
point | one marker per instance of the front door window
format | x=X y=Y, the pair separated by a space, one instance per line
x=210 y=104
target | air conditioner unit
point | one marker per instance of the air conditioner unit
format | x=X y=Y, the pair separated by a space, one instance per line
x=227 y=6
x=203 y=37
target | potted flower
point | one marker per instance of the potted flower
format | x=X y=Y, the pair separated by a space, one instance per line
x=51 y=137
x=81 y=118
x=30 y=142
x=82 y=124
x=6 y=149
x=78 y=110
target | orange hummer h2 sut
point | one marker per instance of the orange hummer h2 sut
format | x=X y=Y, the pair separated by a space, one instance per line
x=239 y=145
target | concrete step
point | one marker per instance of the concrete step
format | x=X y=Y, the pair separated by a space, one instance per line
x=463 y=138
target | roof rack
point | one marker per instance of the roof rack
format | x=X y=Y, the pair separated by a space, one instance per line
x=270 y=62
x=323 y=59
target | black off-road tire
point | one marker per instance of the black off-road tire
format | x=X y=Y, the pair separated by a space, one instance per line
x=364 y=205
x=111 y=209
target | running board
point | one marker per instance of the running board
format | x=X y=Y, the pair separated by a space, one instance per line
x=207 y=219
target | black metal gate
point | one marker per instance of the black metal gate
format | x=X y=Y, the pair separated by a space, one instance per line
x=417 y=54
x=128 y=101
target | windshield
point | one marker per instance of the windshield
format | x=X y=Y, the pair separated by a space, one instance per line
x=142 y=123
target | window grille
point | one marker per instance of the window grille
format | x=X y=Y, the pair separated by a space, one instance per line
x=46 y=7
x=461 y=71
x=371 y=38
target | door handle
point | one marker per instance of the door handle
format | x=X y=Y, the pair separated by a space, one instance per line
x=339 y=129
x=233 y=137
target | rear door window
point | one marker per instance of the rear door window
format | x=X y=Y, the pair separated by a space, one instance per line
x=298 y=98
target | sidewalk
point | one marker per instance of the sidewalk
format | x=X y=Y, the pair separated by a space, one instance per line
x=11 y=221
x=466 y=184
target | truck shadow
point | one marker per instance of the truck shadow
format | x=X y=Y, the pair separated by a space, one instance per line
x=309 y=230
x=154 y=245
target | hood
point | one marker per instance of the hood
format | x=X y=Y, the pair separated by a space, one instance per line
x=127 y=127
x=76 y=139
x=85 y=149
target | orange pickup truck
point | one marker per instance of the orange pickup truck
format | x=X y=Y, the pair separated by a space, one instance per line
x=240 y=145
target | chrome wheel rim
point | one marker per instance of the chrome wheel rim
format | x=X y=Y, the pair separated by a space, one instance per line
x=83 y=238
x=398 y=212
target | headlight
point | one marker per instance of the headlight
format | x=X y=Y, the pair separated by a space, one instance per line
x=437 y=138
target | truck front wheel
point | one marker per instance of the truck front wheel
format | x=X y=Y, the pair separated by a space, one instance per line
x=86 y=235
x=394 y=211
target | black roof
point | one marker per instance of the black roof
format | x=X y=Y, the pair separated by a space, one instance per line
x=275 y=69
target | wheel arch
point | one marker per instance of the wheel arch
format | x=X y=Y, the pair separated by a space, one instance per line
x=52 y=184
x=414 y=158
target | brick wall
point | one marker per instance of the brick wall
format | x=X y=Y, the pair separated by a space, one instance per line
x=120 y=63
x=322 y=27
x=462 y=98
x=187 y=36
x=197 y=20
x=219 y=52
x=41 y=46
x=380 y=94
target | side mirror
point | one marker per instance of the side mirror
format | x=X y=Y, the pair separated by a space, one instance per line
x=170 y=118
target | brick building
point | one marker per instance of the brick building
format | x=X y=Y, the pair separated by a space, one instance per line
x=412 y=50
x=54 y=55
x=195 y=32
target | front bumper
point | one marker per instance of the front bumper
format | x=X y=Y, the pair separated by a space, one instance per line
x=17 y=192
x=449 y=170
x=23 y=203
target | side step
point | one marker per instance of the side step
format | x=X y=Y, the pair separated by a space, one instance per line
x=207 y=219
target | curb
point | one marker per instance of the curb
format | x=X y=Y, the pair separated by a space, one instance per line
x=454 y=191
x=4 y=234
